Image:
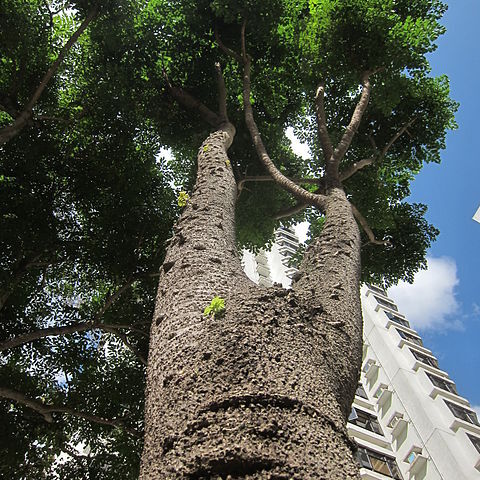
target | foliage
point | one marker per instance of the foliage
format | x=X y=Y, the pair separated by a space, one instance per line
x=183 y=198
x=85 y=211
x=216 y=307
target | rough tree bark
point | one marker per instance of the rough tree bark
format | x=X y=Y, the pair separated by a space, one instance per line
x=264 y=391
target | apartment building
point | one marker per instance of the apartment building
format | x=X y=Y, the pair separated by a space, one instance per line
x=408 y=417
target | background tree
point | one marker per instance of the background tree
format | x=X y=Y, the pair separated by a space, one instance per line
x=265 y=388
x=86 y=208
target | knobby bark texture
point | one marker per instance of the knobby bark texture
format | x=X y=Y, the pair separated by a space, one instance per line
x=263 y=391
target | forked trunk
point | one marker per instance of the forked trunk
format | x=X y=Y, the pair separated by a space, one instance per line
x=263 y=391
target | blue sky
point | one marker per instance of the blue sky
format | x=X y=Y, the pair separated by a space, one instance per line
x=445 y=301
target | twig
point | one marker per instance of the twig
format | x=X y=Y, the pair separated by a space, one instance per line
x=366 y=227
x=227 y=50
x=124 y=339
x=188 y=101
x=375 y=158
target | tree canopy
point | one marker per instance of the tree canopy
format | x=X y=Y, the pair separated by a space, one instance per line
x=88 y=201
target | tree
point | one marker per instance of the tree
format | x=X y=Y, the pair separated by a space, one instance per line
x=85 y=214
x=260 y=384
x=263 y=388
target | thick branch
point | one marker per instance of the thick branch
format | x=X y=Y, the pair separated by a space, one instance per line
x=25 y=115
x=299 y=206
x=342 y=147
x=323 y=135
x=189 y=102
x=267 y=178
x=290 y=211
x=366 y=227
x=375 y=159
x=47 y=410
x=222 y=94
x=354 y=168
x=227 y=50
x=278 y=177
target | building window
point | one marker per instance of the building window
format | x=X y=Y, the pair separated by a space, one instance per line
x=378 y=462
x=369 y=364
x=386 y=303
x=410 y=338
x=395 y=419
x=475 y=441
x=397 y=319
x=462 y=413
x=426 y=359
x=376 y=289
x=442 y=383
x=413 y=454
x=381 y=388
x=361 y=391
x=365 y=420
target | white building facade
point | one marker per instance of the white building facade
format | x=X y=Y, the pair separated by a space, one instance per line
x=408 y=420
x=426 y=426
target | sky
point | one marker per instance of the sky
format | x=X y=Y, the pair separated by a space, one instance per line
x=443 y=303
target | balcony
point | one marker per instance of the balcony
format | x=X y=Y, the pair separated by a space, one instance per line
x=383 y=303
x=398 y=424
x=370 y=368
x=396 y=319
x=417 y=462
x=384 y=397
x=464 y=418
x=436 y=391
x=376 y=289
x=361 y=433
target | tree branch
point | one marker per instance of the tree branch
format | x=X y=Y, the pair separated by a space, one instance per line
x=376 y=158
x=189 y=102
x=291 y=187
x=124 y=339
x=299 y=206
x=323 y=135
x=79 y=327
x=354 y=168
x=25 y=115
x=227 y=50
x=268 y=178
x=222 y=94
x=47 y=410
x=350 y=130
x=366 y=227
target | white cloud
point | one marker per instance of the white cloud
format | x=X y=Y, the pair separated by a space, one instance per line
x=430 y=301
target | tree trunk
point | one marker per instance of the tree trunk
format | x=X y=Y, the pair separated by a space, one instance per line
x=263 y=391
